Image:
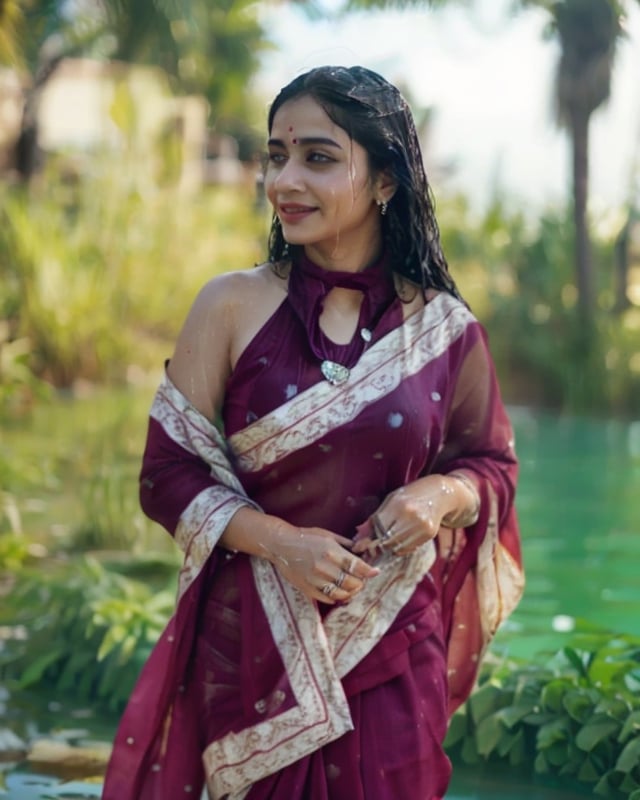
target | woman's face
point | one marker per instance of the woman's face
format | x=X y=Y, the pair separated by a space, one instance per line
x=320 y=186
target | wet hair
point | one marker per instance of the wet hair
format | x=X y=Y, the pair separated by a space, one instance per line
x=376 y=116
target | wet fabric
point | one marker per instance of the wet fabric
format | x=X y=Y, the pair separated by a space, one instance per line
x=257 y=692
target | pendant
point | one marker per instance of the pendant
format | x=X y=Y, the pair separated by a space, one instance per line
x=334 y=373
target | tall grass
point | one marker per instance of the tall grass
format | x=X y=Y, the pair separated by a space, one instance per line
x=99 y=273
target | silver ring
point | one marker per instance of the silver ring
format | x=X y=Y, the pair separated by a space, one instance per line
x=381 y=534
x=329 y=589
x=340 y=579
x=349 y=565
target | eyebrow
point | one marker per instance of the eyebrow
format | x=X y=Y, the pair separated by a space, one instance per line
x=305 y=141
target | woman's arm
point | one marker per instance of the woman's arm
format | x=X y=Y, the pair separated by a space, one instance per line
x=187 y=481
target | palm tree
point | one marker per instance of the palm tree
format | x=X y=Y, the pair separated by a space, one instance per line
x=588 y=32
x=205 y=48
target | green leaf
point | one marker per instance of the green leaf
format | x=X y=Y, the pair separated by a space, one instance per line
x=556 y=754
x=517 y=753
x=628 y=784
x=631 y=726
x=539 y=718
x=488 y=734
x=595 y=732
x=469 y=753
x=553 y=694
x=580 y=703
x=629 y=758
x=577 y=660
x=588 y=772
x=485 y=701
x=603 y=787
x=540 y=765
x=36 y=669
x=457 y=728
x=552 y=732
x=512 y=715
x=614 y=707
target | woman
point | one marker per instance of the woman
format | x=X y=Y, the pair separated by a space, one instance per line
x=350 y=541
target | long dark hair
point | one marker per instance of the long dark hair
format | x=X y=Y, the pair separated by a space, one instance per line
x=376 y=116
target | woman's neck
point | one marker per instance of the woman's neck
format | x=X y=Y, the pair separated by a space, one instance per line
x=338 y=260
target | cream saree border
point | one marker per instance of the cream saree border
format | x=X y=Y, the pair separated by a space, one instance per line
x=204 y=520
x=313 y=413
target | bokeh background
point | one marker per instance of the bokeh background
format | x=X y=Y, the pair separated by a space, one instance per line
x=131 y=145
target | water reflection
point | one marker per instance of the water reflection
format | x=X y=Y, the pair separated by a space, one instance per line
x=580 y=519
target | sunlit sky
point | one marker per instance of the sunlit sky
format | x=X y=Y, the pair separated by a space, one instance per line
x=489 y=78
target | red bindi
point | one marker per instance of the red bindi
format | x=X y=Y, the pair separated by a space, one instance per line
x=290 y=128
x=295 y=141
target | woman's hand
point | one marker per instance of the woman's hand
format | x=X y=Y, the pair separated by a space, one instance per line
x=319 y=563
x=413 y=514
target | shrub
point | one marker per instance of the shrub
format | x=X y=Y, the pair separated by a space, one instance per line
x=576 y=717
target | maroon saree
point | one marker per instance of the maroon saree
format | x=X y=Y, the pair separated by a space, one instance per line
x=256 y=692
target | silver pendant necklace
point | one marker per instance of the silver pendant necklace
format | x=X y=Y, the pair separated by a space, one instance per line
x=336 y=373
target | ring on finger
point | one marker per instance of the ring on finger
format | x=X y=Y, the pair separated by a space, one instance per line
x=328 y=589
x=382 y=534
x=348 y=565
x=340 y=579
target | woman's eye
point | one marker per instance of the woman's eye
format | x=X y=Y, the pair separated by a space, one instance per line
x=277 y=158
x=319 y=158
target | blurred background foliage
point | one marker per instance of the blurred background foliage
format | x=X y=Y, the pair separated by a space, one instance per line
x=89 y=239
x=102 y=252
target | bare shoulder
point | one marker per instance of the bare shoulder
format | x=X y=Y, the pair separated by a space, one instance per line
x=225 y=311
x=232 y=290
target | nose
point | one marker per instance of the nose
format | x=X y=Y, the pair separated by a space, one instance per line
x=289 y=176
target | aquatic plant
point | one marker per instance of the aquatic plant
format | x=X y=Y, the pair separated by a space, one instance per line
x=76 y=627
x=574 y=716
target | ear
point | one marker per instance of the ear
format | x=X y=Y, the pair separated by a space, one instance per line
x=384 y=186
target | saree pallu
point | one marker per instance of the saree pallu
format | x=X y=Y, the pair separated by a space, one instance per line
x=253 y=689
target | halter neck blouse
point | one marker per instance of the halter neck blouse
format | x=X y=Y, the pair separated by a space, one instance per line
x=309 y=284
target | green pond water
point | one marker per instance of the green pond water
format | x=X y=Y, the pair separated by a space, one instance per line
x=579 y=509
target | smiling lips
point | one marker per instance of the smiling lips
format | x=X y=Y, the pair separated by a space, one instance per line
x=294 y=212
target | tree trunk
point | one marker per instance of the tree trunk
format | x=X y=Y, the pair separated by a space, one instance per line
x=621 y=261
x=28 y=156
x=583 y=255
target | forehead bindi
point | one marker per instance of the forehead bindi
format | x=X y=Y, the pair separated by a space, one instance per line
x=304 y=118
